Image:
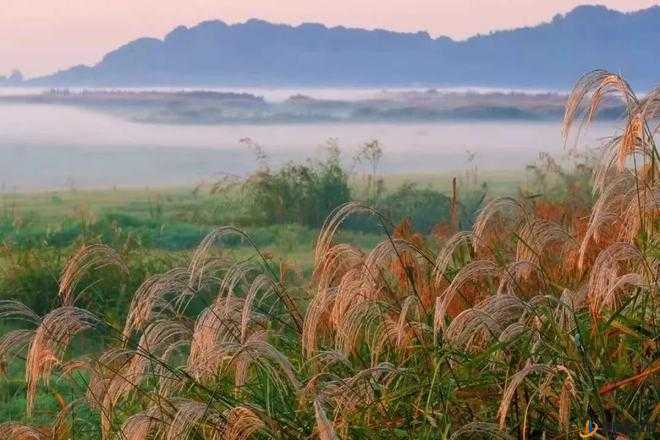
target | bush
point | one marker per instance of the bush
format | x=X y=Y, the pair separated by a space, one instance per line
x=423 y=206
x=303 y=193
x=29 y=275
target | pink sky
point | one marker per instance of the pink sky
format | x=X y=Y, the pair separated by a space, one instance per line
x=40 y=36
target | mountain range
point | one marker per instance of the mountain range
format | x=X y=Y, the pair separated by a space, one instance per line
x=256 y=53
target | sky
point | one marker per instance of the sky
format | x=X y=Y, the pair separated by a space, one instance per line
x=42 y=36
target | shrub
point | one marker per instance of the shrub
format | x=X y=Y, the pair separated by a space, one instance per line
x=303 y=193
x=423 y=206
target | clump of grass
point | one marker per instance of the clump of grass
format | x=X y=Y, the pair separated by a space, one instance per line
x=530 y=325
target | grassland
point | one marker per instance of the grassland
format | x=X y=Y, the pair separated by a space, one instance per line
x=523 y=308
x=178 y=218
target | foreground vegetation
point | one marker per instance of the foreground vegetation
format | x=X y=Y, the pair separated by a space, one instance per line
x=533 y=317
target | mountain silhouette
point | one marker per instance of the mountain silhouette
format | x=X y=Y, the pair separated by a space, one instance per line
x=549 y=55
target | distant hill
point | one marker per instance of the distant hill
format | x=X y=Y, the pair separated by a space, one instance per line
x=550 y=55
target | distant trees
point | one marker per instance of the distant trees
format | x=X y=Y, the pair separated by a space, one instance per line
x=15 y=77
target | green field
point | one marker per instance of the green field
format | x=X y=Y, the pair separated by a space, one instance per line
x=178 y=218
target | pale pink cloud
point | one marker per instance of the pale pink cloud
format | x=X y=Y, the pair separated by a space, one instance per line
x=40 y=36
